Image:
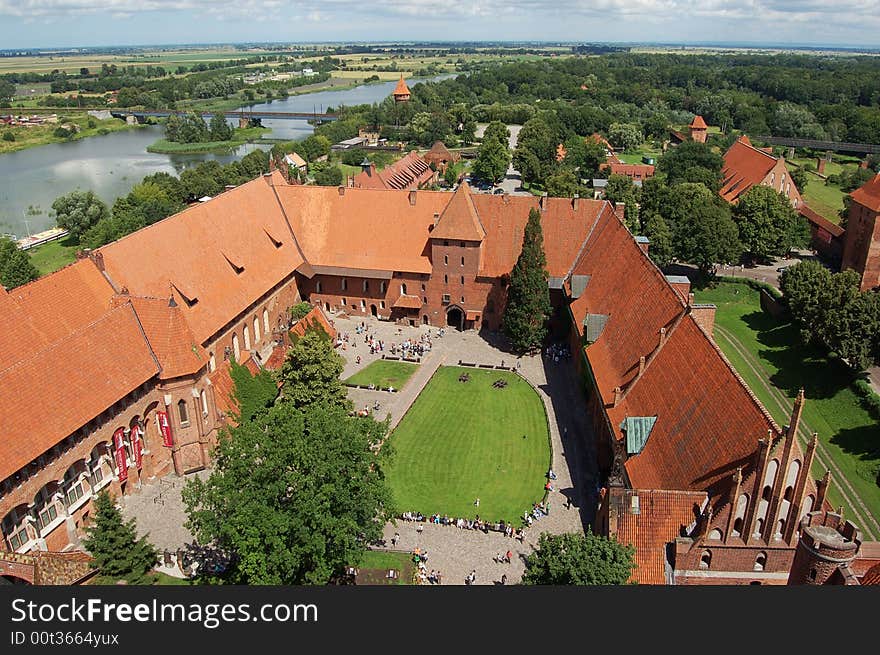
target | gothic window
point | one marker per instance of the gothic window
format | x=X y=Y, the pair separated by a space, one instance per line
x=236 y=351
x=705 y=560
x=760 y=562
x=212 y=363
x=183 y=412
x=318 y=286
x=715 y=535
x=256 y=330
x=247 y=338
x=344 y=284
x=266 y=320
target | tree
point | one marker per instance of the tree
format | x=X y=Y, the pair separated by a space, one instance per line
x=7 y=92
x=528 y=297
x=767 y=223
x=659 y=235
x=800 y=178
x=692 y=162
x=535 y=152
x=620 y=188
x=118 y=552
x=295 y=494
x=15 y=265
x=329 y=176
x=78 y=211
x=562 y=184
x=803 y=287
x=704 y=232
x=575 y=559
x=493 y=158
x=253 y=393
x=498 y=131
x=220 y=128
x=311 y=372
x=625 y=136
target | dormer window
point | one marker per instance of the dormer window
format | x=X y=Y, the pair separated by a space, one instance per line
x=235 y=267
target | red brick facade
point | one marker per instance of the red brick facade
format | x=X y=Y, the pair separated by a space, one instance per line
x=861 y=250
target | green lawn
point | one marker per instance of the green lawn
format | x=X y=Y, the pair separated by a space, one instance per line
x=849 y=433
x=54 y=255
x=384 y=373
x=241 y=136
x=466 y=440
x=825 y=199
x=380 y=560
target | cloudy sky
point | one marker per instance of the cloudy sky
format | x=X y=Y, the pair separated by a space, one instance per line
x=46 y=23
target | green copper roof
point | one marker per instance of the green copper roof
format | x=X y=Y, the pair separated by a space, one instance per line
x=637 y=429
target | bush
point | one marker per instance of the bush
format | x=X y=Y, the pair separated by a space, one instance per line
x=8 y=136
x=62 y=133
x=869 y=398
x=299 y=311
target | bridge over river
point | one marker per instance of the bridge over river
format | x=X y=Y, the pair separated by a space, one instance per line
x=262 y=115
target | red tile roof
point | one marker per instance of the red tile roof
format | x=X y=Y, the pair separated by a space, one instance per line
x=744 y=167
x=868 y=194
x=459 y=219
x=409 y=172
x=439 y=153
x=316 y=317
x=635 y=171
x=871 y=577
x=662 y=514
x=401 y=89
x=217 y=257
x=53 y=391
x=408 y=302
x=169 y=336
x=698 y=123
x=708 y=422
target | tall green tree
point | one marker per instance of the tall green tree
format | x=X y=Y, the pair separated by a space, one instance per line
x=704 y=232
x=528 y=297
x=77 y=211
x=254 y=393
x=768 y=225
x=493 y=158
x=625 y=136
x=295 y=495
x=620 y=188
x=311 y=371
x=575 y=559
x=220 y=128
x=659 y=235
x=498 y=131
x=119 y=553
x=16 y=267
x=562 y=184
x=535 y=153
x=692 y=162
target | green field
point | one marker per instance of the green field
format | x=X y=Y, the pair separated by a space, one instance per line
x=39 y=135
x=465 y=440
x=770 y=358
x=384 y=373
x=825 y=199
x=53 y=255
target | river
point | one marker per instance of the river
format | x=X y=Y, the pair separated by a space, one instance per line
x=110 y=165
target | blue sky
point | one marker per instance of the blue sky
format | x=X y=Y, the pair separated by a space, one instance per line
x=45 y=23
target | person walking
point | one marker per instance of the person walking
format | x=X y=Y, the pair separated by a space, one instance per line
x=504 y=579
x=395 y=539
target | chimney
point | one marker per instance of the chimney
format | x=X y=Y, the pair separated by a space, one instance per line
x=618 y=394
x=641 y=364
x=574 y=201
x=98 y=257
x=268 y=178
x=436 y=218
x=412 y=197
x=704 y=315
x=620 y=209
x=662 y=335
x=542 y=201
x=341 y=190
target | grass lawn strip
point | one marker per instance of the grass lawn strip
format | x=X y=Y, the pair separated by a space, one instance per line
x=384 y=373
x=465 y=440
x=770 y=359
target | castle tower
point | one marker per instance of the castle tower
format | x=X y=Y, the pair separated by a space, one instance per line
x=698 y=129
x=827 y=543
x=401 y=92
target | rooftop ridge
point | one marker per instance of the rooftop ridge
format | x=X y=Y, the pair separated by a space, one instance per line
x=655 y=352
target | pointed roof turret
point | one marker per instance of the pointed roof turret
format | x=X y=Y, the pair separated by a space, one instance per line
x=698 y=123
x=459 y=220
x=401 y=91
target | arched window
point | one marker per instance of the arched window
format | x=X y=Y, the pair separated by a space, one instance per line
x=73 y=487
x=366 y=285
x=760 y=562
x=212 y=363
x=446 y=260
x=381 y=304
x=382 y=288
x=344 y=284
x=345 y=302
x=765 y=494
x=363 y=305
x=462 y=279
x=772 y=178
x=247 y=338
x=266 y=321
x=204 y=398
x=236 y=351
x=462 y=261
x=318 y=286
x=808 y=505
x=737 y=527
x=403 y=289
x=780 y=528
x=706 y=560
x=183 y=412
x=256 y=330
x=462 y=299
x=716 y=535
x=813 y=574
x=789 y=492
